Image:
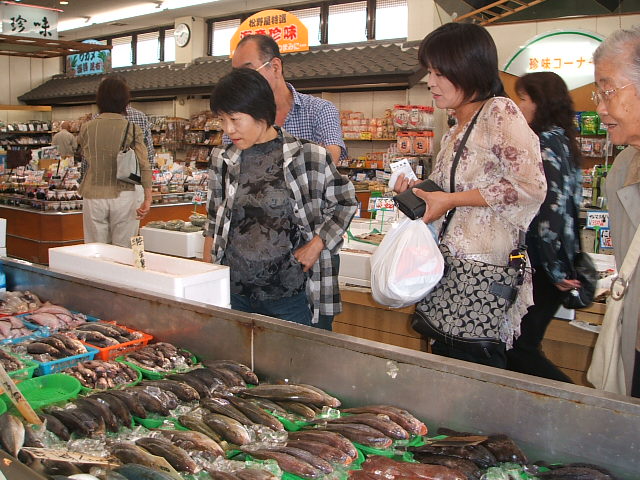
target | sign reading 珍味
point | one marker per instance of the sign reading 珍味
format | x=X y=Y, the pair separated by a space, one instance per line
x=567 y=53
x=286 y=29
x=29 y=21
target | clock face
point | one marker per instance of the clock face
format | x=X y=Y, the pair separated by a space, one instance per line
x=182 y=33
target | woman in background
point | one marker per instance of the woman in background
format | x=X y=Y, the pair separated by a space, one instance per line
x=111 y=211
x=499 y=179
x=552 y=238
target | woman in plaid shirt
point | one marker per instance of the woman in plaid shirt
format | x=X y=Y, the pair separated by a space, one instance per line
x=277 y=209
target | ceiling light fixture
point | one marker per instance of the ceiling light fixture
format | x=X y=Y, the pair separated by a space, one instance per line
x=64 y=2
x=141 y=8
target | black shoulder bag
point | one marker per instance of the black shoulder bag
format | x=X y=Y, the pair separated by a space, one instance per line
x=467 y=306
x=584 y=270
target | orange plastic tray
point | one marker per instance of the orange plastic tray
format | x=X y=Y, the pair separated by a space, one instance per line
x=110 y=353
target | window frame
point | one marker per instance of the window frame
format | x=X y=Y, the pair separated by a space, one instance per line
x=324 y=27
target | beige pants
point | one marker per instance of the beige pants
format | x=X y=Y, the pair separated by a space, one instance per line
x=111 y=220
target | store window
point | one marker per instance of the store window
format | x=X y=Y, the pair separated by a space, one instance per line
x=148 y=48
x=121 y=52
x=221 y=34
x=310 y=17
x=348 y=22
x=391 y=19
x=169 y=46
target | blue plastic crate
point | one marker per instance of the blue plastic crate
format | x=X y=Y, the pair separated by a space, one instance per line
x=38 y=332
x=44 y=368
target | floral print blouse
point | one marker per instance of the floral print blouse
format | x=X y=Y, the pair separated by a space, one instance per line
x=502 y=160
x=551 y=238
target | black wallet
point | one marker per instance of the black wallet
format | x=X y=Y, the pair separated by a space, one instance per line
x=411 y=205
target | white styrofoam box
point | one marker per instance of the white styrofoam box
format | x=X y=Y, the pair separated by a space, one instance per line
x=3 y=232
x=179 y=244
x=189 y=279
x=3 y=251
x=355 y=268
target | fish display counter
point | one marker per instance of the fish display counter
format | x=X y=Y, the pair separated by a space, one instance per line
x=550 y=420
x=30 y=233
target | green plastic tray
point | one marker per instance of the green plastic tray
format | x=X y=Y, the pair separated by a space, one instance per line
x=3 y=406
x=86 y=390
x=54 y=388
x=153 y=375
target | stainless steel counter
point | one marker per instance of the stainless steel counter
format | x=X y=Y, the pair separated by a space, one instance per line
x=550 y=420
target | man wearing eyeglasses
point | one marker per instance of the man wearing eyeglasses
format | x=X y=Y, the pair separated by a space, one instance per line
x=303 y=116
x=617 y=97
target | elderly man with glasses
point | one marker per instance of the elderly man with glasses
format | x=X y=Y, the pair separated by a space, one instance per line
x=617 y=96
x=303 y=116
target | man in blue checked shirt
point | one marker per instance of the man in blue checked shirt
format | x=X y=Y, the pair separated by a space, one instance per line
x=303 y=116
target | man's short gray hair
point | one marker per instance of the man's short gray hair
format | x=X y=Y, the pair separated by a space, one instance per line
x=624 y=45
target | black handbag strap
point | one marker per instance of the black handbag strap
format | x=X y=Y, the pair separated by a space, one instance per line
x=452 y=175
x=126 y=134
x=517 y=256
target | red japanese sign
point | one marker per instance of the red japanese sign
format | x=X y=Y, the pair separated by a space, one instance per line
x=285 y=28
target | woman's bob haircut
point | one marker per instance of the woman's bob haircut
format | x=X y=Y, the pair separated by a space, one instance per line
x=467 y=56
x=244 y=91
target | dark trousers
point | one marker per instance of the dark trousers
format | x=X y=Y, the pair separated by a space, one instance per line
x=494 y=358
x=293 y=309
x=527 y=356
x=635 y=383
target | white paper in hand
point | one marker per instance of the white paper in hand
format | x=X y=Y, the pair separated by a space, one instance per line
x=402 y=166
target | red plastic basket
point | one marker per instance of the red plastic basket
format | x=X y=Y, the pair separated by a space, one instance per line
x=110 y=353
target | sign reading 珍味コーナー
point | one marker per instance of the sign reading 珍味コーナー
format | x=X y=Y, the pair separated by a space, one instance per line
x=567 y=53
x=29 y=21
x=286 y=29
x=89 y=63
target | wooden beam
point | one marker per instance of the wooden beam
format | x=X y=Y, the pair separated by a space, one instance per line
x=499 y=4
x=33 y=108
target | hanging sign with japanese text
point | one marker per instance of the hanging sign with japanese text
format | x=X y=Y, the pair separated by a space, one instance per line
x=286 y=29
x=89 y=63
x=29 y=21
x=569 y=54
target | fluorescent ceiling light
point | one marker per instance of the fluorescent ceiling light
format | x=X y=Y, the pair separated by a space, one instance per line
x=138 y=10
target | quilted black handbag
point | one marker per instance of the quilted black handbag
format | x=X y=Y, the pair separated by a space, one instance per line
x=467 y=306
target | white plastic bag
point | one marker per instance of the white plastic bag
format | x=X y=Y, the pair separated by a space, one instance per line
x=406 y=265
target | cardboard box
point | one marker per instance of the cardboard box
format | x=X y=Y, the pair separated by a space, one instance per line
x=179 y=244
x=189 y=279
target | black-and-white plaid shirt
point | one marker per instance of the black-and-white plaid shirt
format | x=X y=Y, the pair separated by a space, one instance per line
x=324 y=204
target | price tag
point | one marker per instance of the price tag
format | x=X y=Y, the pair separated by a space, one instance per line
x=381 y=203
x=597 y=219
x=137 y=246
x=200 y=196
x=365 y=136
x=605 y=238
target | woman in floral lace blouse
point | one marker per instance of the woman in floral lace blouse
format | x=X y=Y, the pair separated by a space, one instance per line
x=552 y=239
x=500 y=183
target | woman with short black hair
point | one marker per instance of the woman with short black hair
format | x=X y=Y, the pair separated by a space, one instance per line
x=111 y=210
x=499 y=183
x=277 y=209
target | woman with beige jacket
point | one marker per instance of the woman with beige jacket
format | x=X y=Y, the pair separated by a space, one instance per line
x=111 y=210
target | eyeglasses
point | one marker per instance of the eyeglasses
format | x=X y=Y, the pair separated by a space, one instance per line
x=263 y=65
x=600 y=95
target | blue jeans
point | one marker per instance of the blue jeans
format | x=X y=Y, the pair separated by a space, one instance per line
x=293 y=309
